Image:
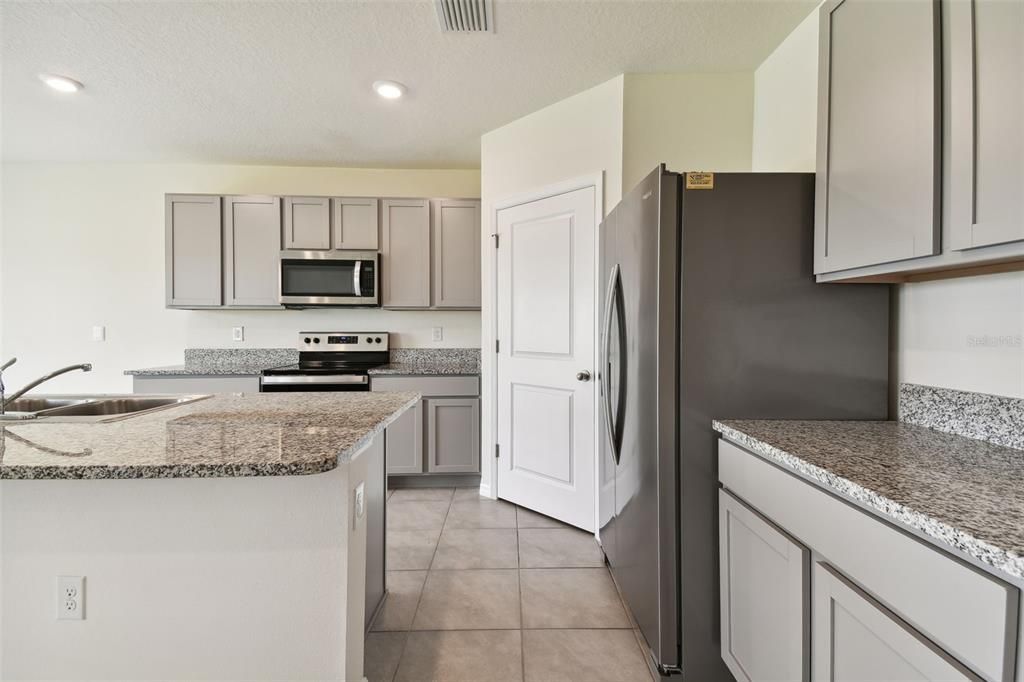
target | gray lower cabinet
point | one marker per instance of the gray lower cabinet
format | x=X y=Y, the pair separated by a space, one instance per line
x=878 y=167
x=405 y=443
x=986 y=60
x=456 y=253
x=307 y=223
x=453 y=442
x=857 y=639
x=356 y=224
x=885 y=605
x=441 y=434
x=405 y=253
x=765 y=585
x=252 y=246
x=193 y=251
x=177 y=384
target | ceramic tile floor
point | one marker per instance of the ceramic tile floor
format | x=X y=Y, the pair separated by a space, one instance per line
x=485 y=590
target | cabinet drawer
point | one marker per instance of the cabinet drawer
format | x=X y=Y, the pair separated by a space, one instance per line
x=966 y=612
x=428 y=386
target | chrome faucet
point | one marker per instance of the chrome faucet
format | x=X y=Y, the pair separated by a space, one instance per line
x=5 y=401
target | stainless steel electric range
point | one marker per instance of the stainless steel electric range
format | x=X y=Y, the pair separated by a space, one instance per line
x=330 y=361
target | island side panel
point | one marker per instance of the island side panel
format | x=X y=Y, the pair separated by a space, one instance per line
x=229 y=578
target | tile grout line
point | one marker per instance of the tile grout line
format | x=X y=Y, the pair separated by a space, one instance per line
x=423 y=589
x=519 y=584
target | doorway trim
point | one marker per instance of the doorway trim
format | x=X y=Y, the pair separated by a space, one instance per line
x=595 y=180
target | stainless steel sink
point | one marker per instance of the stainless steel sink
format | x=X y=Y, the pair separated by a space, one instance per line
x=91 y=408
x=40 y=404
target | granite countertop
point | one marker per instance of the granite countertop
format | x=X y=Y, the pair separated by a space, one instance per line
x=257 y=434
x=960 y=493
x=250 y=362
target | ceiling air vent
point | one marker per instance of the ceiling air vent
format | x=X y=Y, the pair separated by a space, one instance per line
x=465 y=16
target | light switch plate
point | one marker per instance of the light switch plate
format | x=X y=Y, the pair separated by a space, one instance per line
x=238 y=333
x=99 y=333
x=437 y=333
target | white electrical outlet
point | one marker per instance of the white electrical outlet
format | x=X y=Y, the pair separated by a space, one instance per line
x=358 y=503
x=437 y=333
x=99 y=333
x=238 y=333
x=70 y=597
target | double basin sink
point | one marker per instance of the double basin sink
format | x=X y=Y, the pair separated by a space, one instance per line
x=91 y=408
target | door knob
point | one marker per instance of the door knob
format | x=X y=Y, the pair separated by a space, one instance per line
x=583 y=376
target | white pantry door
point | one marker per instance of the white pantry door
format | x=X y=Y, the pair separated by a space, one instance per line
x=546 y=357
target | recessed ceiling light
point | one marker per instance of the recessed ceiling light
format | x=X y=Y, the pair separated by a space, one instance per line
x=389 y=89
x=60 y=83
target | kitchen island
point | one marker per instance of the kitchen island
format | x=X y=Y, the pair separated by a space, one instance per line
x=223 y=539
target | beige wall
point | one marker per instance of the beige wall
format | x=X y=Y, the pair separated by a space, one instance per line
x=689 y=121
x=83 y=245
x=786 y=103
x=958 y=333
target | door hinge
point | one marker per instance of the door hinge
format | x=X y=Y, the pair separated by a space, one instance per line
x=496 y=239
x=497 y=346
x=497 y=451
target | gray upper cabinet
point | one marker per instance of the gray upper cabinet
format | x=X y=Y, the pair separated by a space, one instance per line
x=765 y=592
x=879 y=165
x=856 y=639
x=193 y=250
x=456 y=253
x=986 y=103
x=307 y=223
x=356 y=223
x=453 y=428
x=252 y=246
x=405 y=253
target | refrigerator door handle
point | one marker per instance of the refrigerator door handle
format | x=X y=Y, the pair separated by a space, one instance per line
x=606 y=364
x=618 y=418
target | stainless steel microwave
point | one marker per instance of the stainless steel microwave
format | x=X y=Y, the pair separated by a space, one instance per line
x=312 y=279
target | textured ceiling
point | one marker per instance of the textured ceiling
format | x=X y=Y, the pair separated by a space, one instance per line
x=289 y=82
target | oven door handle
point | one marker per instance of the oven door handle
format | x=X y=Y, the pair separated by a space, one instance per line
x=296 y=380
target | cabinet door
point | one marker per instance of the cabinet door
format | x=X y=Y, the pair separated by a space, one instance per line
x=356 y=224
x=765 y=596
x=856 y=638
x=252 y=249
x=405 y=253
x=456 y=253
x=453 y=435
x=986 y=60
x=193 y=250
x=307 y=223
x=404 y=442
x=879 y=172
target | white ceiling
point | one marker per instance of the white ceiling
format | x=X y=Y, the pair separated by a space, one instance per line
x=289 y=82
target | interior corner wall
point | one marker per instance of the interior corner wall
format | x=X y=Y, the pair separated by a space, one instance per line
x=578 y=136
x=83 y=245
x=963 y=333
x=689 y=121
x=786 y=103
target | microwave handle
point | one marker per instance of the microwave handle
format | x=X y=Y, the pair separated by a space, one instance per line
x=356 y=278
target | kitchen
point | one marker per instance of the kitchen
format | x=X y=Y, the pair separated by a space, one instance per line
x=154 y=233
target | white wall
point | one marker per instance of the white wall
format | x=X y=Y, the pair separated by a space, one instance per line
x=581 y=135
x=689 y=121
x=83 y=245
x=786 y=103
x=958 y=333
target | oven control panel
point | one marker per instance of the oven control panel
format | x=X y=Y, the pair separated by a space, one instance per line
x=343 y=341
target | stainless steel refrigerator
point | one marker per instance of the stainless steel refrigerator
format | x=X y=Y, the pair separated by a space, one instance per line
x=710 y=310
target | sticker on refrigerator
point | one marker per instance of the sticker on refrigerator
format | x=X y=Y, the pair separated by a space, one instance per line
x=700 y=181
